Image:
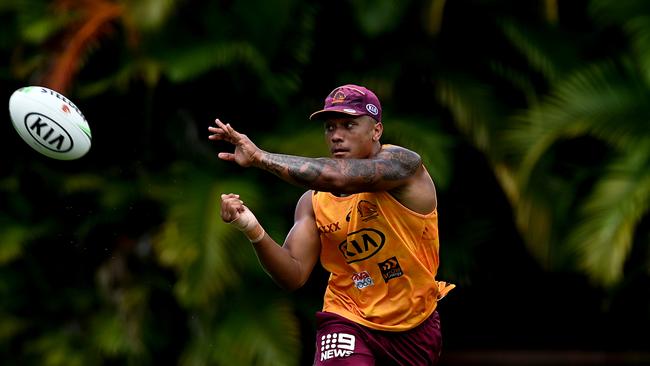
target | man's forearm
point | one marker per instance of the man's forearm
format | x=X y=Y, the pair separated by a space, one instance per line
x=342 y=175
x=323 y=174
x=295 y=169
x=278 y=264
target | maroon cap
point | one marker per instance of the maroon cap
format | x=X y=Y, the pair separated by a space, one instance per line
x=353 y=100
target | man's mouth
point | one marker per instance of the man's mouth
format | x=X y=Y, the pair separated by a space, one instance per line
x=338 y=152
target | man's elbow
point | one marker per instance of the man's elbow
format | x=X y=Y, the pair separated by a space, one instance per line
x=290 y=286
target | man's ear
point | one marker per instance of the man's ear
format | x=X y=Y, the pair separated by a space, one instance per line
x=378 y=129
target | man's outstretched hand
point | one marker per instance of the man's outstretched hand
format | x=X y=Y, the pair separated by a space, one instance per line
x=246 y=152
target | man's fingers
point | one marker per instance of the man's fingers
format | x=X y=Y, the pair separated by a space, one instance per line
x=231 y=207
x=231 y=132
x=229 y=195
x=226 y=156
x=218 y=134
x=221 y=132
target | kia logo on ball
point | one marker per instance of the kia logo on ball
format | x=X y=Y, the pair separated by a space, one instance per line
x=48 y=133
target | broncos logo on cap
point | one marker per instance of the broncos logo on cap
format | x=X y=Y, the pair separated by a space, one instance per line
x=338 y=97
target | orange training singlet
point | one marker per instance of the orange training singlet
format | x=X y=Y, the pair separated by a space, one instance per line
x=382 y=257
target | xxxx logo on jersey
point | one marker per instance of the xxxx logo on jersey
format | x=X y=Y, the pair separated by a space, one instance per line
x=329 y=228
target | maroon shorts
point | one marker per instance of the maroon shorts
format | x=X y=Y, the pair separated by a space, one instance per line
x=340 y=341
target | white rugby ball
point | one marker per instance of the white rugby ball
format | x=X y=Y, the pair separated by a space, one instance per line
x=50 y=123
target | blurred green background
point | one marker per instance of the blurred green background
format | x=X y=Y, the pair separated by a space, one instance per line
x=532 y=117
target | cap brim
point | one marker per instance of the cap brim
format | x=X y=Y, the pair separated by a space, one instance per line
x=323 y=112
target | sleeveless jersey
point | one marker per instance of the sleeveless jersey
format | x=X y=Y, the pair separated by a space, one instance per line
x=382 y=258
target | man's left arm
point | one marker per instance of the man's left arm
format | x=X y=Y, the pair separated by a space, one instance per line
x=389 y=169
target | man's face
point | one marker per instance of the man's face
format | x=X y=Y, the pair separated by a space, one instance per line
x=351 y=137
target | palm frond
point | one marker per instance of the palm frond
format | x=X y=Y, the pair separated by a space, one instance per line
x=534 y=219
x=518 y=79
x=475 y=110
x=245 y=331
x=600 y=101
x=186 y=64
x=60 y=348
x=632 y=17
x=250 y=335
x=96 y=16
x=546 y=52
x=148 y=15
x=434 y=146
x=609 y=216
x=12 y=238
x=378 y=16
x=434 y=15
x=11 y=326
x=195 y=242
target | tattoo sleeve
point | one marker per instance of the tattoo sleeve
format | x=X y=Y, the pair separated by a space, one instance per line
x=390 y=166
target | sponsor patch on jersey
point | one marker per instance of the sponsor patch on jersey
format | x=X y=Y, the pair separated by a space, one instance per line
x=336 y=345
x=390 y=269
x=362 y=280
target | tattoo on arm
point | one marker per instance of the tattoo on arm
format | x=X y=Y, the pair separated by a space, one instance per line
x=398 y=163
x=307 y=173
x=392 y=164
x=302 y=170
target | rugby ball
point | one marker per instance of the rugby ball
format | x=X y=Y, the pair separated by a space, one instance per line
x=50 y=123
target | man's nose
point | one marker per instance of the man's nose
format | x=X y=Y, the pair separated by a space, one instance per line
x=337 y=135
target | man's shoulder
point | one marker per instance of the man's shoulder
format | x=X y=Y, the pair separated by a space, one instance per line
x=405 y=162
x=391 y=150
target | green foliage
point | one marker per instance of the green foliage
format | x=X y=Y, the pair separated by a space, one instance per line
x=246 y=332
x=379 y=16
x=608 y=220
x=547 y=52
x=195 y=242
x=434 y=146
x=190 y=63
x=473 y=106
x=122 y=258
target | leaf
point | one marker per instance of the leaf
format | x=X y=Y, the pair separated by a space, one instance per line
x=195 y=242
x=40 y=30
x=377 y=17
x=246 y=332
x=476 y=112
x=604 y=232
x=10 y=326
x=425 y=138
x=547 y=52
x=599 y=101
x=149 y=15
x=189 y=63
x=12 y=239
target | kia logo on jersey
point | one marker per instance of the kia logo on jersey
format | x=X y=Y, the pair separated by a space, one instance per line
x=362 y=244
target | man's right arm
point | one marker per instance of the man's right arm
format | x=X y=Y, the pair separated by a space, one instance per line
x=291 y=264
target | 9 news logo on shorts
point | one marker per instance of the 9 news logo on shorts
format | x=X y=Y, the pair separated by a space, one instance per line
x=336 y=345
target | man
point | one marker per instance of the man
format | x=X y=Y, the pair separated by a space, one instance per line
x=370 y=216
